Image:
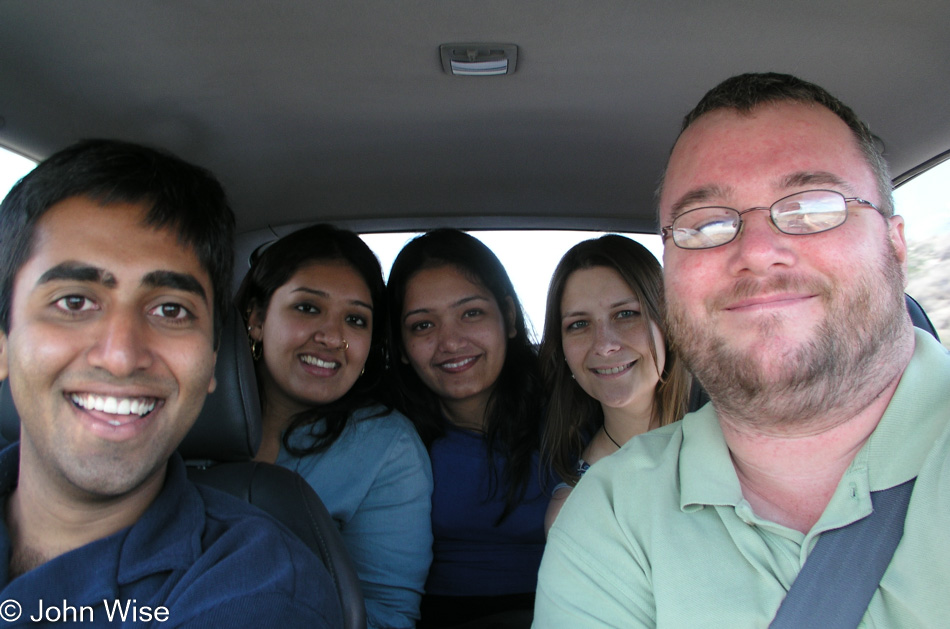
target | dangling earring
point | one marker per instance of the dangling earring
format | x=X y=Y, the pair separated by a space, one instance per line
x=257 y=347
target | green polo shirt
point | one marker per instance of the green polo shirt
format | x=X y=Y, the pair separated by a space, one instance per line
x=659 y=535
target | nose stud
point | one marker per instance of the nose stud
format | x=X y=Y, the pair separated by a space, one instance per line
x=344 y=345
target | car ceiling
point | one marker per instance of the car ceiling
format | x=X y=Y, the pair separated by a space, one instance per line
x=340 y=111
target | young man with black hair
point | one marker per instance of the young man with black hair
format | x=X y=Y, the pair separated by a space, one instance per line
x=115 y=273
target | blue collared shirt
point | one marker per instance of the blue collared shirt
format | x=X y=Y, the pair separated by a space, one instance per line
x=207 y=558
x=376 y=482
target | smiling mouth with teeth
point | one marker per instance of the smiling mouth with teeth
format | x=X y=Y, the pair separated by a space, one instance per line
x=613 y=370
x=114 y=405
x=317 y=362
x=457 y=364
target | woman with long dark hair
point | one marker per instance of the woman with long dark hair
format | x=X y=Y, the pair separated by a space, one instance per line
x=315 y=307
x=469 y=379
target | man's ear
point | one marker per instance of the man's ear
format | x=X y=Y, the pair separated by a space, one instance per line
x=214 y=383
x=4 y=365
x=511 y=317
x=895 y=233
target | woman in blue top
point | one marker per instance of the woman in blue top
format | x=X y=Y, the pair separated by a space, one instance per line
x=315 y=308
x=470 y=381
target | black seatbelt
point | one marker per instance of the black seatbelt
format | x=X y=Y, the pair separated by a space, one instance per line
x=841 y=574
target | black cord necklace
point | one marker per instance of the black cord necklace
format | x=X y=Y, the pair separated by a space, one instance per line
x=609 y=437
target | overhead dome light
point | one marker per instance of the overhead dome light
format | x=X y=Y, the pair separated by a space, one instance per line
x=479 y=59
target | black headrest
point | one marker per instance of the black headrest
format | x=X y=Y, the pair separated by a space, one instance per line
x=919 y=317
x=229 y=425
x=9 y=419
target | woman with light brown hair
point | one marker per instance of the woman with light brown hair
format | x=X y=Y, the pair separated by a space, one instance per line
x=605 y=358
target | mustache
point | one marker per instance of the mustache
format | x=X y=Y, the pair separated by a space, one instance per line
x=748 y=287
x=157 y=384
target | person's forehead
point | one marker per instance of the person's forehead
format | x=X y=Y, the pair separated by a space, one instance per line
x=593 y=279
x=728 y=151
x=441 y=287
x=113 y=237
x=596 y=288
x=333 y=277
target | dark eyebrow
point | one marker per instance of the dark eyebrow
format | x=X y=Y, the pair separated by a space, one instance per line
x=77 y=272
x=326 y=295
x=460 y=302
x=177 y=281
x=697 y=197
x=312 y=291
x=465 y=300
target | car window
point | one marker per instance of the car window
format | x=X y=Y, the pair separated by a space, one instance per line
x=924 y=202
x=12 y=167
x=529 y=256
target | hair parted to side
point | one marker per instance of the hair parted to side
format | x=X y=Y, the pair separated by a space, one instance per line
x=745 y=92
x=273 y=268
x=177 y=195
x=515 y=409
x=572 y=415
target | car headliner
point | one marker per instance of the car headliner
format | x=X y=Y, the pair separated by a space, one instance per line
x=339 y=111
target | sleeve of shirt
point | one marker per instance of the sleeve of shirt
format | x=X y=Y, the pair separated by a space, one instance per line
x=591 y=575
x=390 y=535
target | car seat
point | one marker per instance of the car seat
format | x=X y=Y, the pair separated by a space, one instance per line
x=218 y=452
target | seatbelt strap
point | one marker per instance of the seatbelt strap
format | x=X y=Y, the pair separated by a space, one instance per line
x=841 y=574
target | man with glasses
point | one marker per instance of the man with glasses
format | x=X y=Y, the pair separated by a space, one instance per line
x=784 y=277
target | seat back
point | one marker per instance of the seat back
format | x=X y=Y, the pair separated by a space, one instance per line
x=919 y=317
x=219 y=449
x=286 y=496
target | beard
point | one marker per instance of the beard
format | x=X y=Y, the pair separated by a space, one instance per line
x=846 y=362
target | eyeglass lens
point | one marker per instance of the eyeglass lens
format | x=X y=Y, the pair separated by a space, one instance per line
x=807 y=212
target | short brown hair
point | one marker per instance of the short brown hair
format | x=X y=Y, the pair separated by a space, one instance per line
x=745 y=92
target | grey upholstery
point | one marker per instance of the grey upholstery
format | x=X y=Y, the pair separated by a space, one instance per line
x=218 y=451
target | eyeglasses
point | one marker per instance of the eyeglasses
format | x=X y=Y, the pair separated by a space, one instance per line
x=809 y=212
